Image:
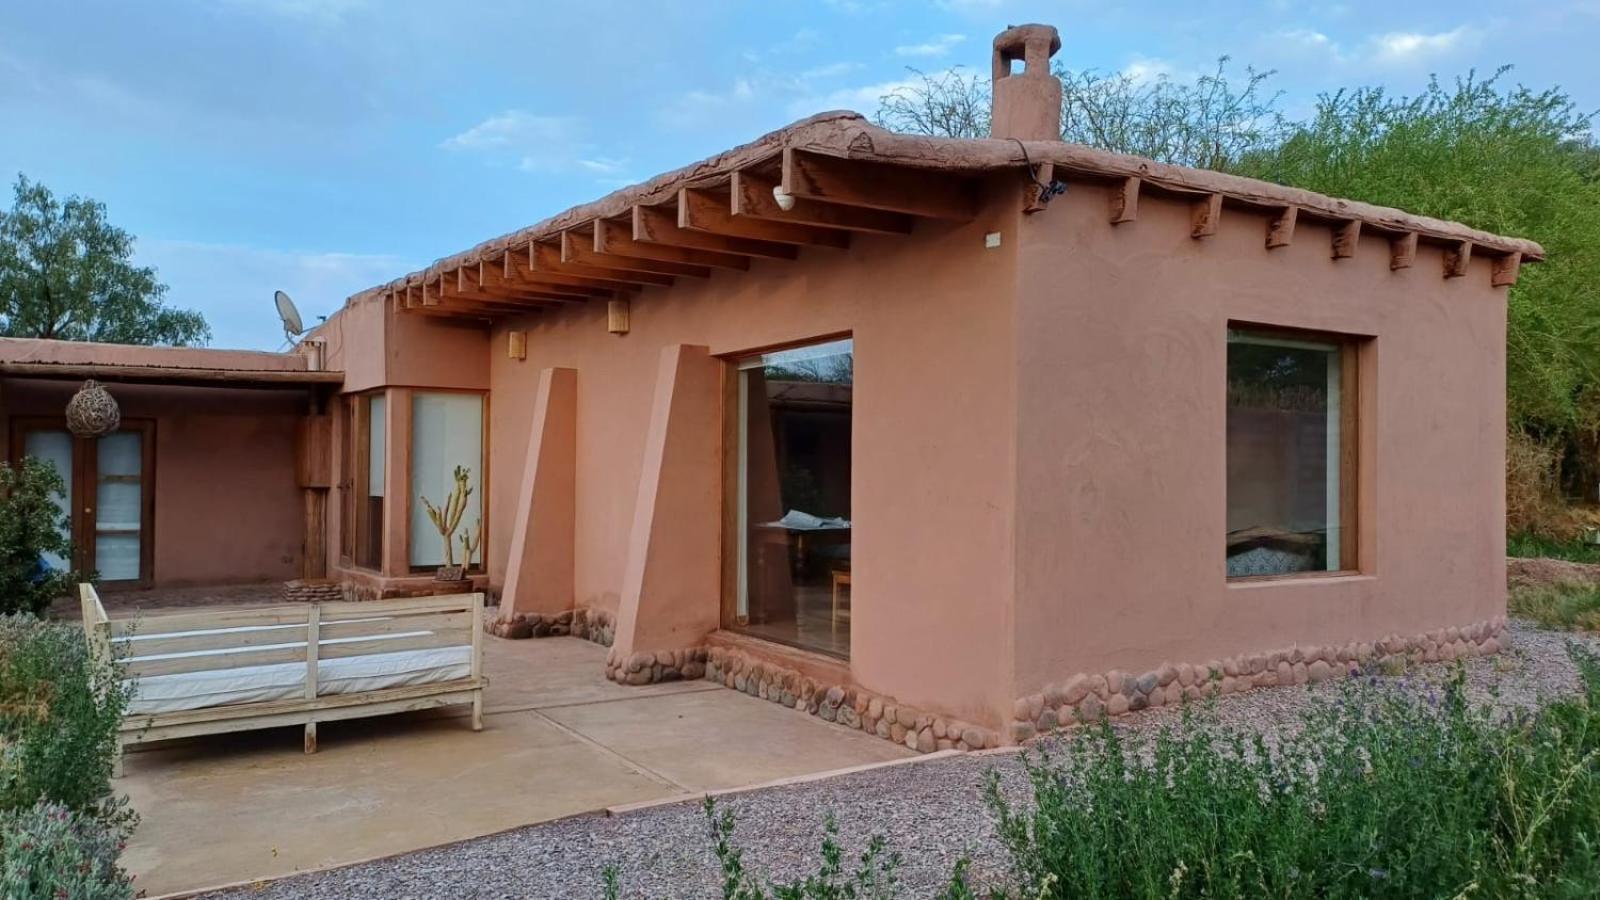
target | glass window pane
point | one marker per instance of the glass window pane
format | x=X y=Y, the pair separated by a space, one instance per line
x=446 y=432
x=377 y=427
x=119 y=505
x=794 y=496
x=55 y=448
x=1283 y=448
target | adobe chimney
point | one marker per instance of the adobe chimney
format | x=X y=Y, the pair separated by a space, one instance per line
x=1026 y=104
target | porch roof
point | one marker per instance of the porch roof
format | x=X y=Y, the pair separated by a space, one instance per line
x=816 y=182
x=128 y=364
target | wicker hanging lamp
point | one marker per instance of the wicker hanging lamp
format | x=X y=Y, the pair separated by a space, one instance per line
x=92 y=411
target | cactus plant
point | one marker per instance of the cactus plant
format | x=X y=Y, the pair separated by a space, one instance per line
x=448 y=518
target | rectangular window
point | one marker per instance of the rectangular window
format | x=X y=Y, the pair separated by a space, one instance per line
x=794 y=434
x=1291 y=444
x=446 y=435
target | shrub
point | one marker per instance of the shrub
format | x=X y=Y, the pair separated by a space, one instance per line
x=1561 y=605
x=1388 y=792
x=31 y=524
x=49 y=852
x=60 y=708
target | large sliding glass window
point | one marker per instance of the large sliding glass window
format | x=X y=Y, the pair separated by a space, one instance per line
x=1291 y=454
x=446 y=435
x=794 y=428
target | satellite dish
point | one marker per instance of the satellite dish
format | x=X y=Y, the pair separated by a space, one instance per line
x=292 y=326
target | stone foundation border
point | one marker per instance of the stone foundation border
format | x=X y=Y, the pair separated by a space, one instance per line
x=841 y=704
x=595 y=625
x=1087 y=697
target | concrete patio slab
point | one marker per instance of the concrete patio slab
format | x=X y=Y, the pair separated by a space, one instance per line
x=558 y=740
x=721 y=739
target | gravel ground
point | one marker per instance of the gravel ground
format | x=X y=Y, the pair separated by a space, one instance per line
x=931 y=813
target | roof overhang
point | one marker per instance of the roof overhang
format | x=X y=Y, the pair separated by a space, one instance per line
x=171 y=375
x=820 y=181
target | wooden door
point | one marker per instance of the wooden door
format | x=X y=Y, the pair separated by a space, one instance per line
x=110 y=496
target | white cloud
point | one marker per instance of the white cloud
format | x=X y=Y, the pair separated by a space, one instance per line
x=1412 y=47
x=1147 y=68
x=1394 y=48
x=232 y=284
x=535 y=143
x=938 y=46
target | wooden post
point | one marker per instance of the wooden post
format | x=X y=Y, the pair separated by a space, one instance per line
x=477 y=661
x=313 y=637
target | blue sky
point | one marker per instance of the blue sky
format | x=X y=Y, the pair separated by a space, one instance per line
x=323 y=146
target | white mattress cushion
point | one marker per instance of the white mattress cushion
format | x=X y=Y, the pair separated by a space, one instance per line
x=284 y=681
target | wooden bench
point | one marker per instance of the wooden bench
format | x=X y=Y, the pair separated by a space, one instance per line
x=331 y=640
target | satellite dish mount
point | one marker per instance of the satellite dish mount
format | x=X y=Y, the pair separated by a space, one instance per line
x=293 y=327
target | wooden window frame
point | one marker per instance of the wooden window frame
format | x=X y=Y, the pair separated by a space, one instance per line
x=1352 y=414
x=82 y=506
x=353 y=510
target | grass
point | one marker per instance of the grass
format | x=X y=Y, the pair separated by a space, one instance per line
x=1564 y=605
x=1533 y=546
x=1395 y=788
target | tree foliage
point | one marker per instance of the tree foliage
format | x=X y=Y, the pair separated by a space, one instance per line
x=31 y=525
x=66 y=273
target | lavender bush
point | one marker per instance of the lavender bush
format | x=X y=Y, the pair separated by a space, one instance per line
x=48 y=852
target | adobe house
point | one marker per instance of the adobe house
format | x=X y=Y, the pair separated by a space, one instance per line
x=199 y=485
x=1127 y=432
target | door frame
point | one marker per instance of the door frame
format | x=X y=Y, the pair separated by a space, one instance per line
x=83 y=504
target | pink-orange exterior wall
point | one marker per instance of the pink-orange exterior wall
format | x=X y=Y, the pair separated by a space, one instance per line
x=1121 y=472
x=227 y=507
x=931 y=317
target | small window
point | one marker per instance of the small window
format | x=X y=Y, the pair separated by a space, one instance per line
x=1291 y=447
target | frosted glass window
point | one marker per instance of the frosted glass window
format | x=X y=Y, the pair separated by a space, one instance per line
x=119 y=505
x=377 y=426
x=446 y=432
x=55 y=448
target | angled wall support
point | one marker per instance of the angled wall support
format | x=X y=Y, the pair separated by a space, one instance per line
x=539 y=572
x=672 y=582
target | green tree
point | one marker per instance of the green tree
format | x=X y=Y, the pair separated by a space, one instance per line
x=1505 y=159
x=66 y=273
x=31 y=525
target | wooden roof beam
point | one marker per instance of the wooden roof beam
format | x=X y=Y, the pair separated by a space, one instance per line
x=577 y=247
x=752 y=197
x=702 y=210
x=1280 y=227
x=1346 y=237
x=655 y=225
x=1204 y=214
x=1125 y=201
x=468 y=280
x=616 y=238
x=1456 y=258
x=491 y=276
x=454 y=291
x=1505 y=270
x=876 y=185
x=545 y=257
x=1402 y=251
x=522 y=275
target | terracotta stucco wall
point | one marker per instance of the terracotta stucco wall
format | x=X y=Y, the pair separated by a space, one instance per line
x=931 y=317
x=1121 y=469
x=227 y=508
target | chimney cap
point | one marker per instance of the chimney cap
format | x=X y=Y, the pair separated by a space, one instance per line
x=1015 y=39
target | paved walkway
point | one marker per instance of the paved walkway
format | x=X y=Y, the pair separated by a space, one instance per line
x=558 y=740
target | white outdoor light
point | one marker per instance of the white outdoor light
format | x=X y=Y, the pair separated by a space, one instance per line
x=784 y=198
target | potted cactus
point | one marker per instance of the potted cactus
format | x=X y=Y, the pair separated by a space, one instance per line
x=447 y=519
